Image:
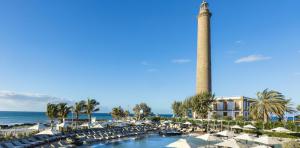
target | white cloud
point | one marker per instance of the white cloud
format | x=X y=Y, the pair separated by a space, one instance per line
x=12 y=101
x=181 y=61
x=152 y=70
x=252 y=58
x=239 y=42
x=145 y=63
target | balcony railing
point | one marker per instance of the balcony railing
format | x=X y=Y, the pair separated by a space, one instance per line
x=237 y=108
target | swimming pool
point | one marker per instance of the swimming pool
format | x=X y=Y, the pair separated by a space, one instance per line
x=147 y=141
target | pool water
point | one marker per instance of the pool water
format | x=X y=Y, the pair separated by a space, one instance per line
x=148 y=141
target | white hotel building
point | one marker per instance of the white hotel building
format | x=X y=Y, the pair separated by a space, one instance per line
x=231 y=106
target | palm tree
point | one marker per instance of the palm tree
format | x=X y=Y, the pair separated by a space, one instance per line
x=126 y=113
x=185 y=107
x=201 y=103
x=298 y=108
x=90 y=107
x=141 y=111
x=51 y=112
x=268 y=103
x=118 y=113
x=62 y=111
x=288 y=106
x=78 y=109
x=177 y=110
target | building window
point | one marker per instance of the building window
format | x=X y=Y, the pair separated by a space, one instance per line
x=224 y=114
x=225 y=105
x=237 y=114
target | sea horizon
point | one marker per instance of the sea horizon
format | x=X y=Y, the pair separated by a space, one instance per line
x=30 y=117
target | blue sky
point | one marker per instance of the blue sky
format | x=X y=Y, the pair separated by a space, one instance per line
x=122 y=52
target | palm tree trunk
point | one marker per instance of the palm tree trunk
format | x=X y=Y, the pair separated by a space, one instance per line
x=51 y=124
x=265 y=117
x=90 y=118
x=76 y=116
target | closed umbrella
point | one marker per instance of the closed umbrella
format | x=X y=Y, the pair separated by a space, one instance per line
x=181 y=143
x=37 y=127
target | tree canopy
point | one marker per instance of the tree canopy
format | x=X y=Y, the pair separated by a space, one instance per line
x=118 y=113
x=269 y=103
x=141 y=111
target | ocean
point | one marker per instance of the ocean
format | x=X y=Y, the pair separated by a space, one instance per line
x=16 y=117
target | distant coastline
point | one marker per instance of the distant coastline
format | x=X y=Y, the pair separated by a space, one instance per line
x=23 y=117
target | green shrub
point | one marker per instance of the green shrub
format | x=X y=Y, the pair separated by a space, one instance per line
x=239 y=118
x=291 y=144
x=283 y=135
x=227 y=118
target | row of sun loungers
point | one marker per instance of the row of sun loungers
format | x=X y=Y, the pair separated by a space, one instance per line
x=87 y=136
x=95 y=135
x=31 y=142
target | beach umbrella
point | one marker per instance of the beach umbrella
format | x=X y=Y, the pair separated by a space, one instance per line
x=281 y=130
x=225 y=133
x=249 y=126
x=119 y=121
x=105 y=124
x=167 y=122
x=236 y=127
x=123 y=124
x=37 y=127
x=132 y=121
x=97 y=125
x=63 y=125
x=148 y=122
x=208 y=138
x=245 y=137
x=187 y=123
x=86 y=125
x=181 y=143
x=267 y=140
x=48 y=132
x=138 y=123
x=261 y=146
x=231 y=143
